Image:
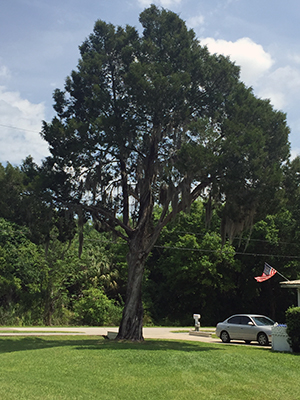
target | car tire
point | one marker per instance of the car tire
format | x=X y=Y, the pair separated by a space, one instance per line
x=225 y=337
x=262 y=339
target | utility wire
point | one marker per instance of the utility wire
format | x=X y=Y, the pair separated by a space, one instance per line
x=19 y=129
x=192 y=249
x=235 y=238
x=222 y=251
x=206 y=250
x=184 y=248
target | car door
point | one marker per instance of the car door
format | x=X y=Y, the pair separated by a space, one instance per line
x=233 y=327
x=247 y=328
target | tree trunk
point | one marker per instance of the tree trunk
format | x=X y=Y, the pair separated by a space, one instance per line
x=48 y=309
x=131 y=327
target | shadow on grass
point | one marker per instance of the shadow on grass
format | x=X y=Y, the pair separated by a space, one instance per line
x=9 y=345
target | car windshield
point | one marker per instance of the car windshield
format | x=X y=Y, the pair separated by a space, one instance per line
x=263 y=321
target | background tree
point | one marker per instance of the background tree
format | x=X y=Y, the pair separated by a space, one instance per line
x=21 y=271
x=71 y=283
x=190 y=271
x=24 y=200
x=38 y=287
x=150 y=119
x=12 y=185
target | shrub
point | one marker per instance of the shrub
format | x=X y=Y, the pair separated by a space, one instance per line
x=9 y=316
x=293 y=327
x=95 y=308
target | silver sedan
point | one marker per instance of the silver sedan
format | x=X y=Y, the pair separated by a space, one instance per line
x=247 y=327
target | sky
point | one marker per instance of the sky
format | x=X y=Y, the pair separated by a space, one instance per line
x=39 y=42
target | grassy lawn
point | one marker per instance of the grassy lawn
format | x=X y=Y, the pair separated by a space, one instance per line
x=8 y=331
x=66 y=367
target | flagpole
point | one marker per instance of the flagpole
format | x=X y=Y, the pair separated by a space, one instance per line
x=282 y=276
x=277 y=271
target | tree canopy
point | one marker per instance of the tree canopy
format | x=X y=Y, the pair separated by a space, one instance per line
x=154 y=118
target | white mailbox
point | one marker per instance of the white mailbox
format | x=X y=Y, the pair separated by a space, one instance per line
x=197 y=322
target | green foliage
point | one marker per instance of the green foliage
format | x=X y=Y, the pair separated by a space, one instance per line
x=69 y=278
x=95 y=309
x=41 y=285
x=293 y=327
x=11 y=184
x=25 y=202
x=21 y=269
x=190 y=271
x=272 y=240
x=10 y=316
x=250 y=158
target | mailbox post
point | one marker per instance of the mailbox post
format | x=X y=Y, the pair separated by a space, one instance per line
x=197 y=322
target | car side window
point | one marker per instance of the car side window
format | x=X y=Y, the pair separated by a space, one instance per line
x=234 y=320
x=245 y=320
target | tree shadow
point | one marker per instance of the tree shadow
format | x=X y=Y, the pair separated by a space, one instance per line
x=156 y=345
x=21 y=343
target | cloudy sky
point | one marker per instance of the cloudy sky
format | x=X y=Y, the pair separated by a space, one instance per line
x=39 y=48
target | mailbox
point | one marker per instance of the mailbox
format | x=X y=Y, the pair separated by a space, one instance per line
x=197 y=322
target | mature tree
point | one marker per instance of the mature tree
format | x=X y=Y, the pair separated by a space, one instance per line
x=149 y=119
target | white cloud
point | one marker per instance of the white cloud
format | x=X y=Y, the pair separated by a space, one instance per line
x=4 y=72
x=294 y=57
x=250 y=56
x=195 y=21
x=163 y=3
x=20 y=124
x=281 y=86
x=295 y=152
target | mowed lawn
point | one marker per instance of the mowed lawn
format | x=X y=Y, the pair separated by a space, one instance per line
x=81 y=367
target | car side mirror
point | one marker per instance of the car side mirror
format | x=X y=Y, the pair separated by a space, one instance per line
x=250 y=323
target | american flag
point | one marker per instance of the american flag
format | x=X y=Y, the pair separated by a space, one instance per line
x=267 y=273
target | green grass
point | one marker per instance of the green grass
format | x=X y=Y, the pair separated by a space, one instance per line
x=8 y=331
x=66 y=367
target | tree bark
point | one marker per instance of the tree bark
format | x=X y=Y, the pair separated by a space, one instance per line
x=48 y=308
x=131 y=327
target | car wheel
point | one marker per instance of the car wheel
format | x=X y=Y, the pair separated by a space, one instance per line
x=225 y=337
x=262 y=339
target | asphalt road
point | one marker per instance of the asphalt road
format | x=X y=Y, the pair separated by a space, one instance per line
x=172 y=333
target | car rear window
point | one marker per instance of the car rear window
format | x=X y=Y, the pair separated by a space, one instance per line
x=234 y=320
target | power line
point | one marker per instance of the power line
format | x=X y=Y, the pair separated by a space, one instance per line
x=188 y=248
x=19 y=129
x=203 y=250
x=227 y=252
x=199 y=250
x=244 y=239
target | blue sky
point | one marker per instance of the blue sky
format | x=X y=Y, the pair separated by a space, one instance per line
x=39 y=48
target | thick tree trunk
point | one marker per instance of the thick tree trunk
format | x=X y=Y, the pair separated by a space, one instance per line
x=131 y=327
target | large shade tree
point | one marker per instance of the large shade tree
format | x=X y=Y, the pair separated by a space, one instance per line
x=154 y=118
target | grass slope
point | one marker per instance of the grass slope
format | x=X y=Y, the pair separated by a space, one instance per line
x=93 y=368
